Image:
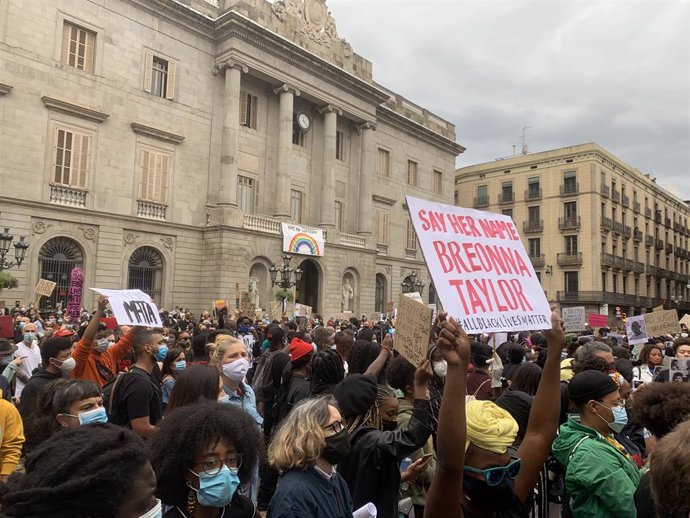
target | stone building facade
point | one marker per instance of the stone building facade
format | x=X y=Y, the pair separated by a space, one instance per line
x=599 y=232
x=159 y=144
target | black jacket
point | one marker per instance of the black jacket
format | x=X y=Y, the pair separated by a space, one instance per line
x=39 y=379
x=372 y=470
x=308 y=493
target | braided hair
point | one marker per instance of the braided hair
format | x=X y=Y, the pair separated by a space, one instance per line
x=78 y=472
x=371 y=417
x=327 y=370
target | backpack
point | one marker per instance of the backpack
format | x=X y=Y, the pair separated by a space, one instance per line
x=262 y=381
x=111 y=400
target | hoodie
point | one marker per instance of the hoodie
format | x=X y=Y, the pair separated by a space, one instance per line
x=600 y=478
x=38 y=380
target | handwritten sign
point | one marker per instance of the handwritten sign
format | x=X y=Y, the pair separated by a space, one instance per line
x=574 y=318
x=597 y=320
x=132 y=307
x=661 y=322
x=45 y=288
x=302 y=311
x=480 y=268
x=302 y=240
x=636 y=330
x=76 y=286
x=413 y=329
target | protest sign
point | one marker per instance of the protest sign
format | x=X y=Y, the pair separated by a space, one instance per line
x=480 y=268
x=679 y=369
x=413 y=329
x=302 y=240
x=247 y=307
x=76 y=285
x=415 y=295
x=597 y=320
x=302 y=311
x=658 y=308
x=132 y=307
x=661 y=322
x=685 y=321
x=574 y=318
x=45 y=288
x=6 y=326
x=636 y=330
x=220 y=304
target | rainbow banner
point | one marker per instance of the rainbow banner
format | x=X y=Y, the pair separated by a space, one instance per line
x=302 y=240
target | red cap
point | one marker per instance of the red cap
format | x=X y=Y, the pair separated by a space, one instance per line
x=299 y=349
x=62 y=332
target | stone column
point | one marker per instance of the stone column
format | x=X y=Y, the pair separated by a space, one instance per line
x=366 y=178
x=285 y=120
x=330 y=120
x=227 y=195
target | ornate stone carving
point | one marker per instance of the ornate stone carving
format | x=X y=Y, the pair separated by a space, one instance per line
x=222 y=66
x=89 y=233
x=168 y=242
x=39 y=227
x=387 y=268
x=317 y=22
x=283 y=8
x=129 y=238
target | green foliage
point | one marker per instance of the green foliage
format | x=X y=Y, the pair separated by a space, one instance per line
x=7 y=281
x=284 y=294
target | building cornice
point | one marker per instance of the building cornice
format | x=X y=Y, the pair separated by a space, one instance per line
x=418 y=131
x=382 y=199
x=149 y=131
x=73 y=109
x=5 y=89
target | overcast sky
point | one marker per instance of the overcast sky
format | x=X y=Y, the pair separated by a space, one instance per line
x=613 y=72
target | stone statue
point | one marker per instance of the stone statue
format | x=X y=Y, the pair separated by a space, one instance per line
x=348 y=295
x=254 y=291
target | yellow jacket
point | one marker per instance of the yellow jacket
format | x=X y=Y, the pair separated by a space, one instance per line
x=11 y=437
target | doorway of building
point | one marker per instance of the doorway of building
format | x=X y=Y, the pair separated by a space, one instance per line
x=307 y=291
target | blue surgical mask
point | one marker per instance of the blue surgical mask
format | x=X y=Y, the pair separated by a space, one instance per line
x=162 y=352
x=97 y=415
x=180 y=366
x=620 y=418
x=217 y=490
x=29 y=337
x=244 y=329
x=102 y=345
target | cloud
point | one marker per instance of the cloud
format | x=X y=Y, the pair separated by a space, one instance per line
x=614 y=72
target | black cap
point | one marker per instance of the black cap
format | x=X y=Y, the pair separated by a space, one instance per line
x=355 y=394
x=275 y=333
x=518 y=404
x=588 y=385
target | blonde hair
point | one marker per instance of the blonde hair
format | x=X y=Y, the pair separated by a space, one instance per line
x=222 y=344
x=299 y=441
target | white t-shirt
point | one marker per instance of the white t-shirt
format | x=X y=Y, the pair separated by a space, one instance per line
x=32 y=360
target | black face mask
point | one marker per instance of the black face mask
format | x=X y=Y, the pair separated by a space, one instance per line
x=490 y=498
x=389 y=426
x=337 y=447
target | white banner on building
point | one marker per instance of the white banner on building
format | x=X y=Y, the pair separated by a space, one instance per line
x=302 y=240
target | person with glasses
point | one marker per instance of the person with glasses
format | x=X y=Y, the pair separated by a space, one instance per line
x=201 y=455
x=310 y=442
x=601 y=477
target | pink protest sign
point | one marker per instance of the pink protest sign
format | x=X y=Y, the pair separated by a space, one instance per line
x=480 y=268
x=597 y=320
x=76 y=285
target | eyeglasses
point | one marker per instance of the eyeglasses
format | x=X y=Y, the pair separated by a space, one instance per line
x=494 y=476
x=212 y=466
x=336 y=426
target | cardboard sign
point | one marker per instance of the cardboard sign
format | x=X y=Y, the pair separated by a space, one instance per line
x=413 y=329
x=6 y=326
x=685 y=321
x=597 y=320
x=302 y=240
x=132 y=307
x=636 y=330
x=302 y=311
x=220 y=304
x=480 y=268
x=574 y=318
x=662 y=322
x=45 y=288
x=247 y=308
x=658 y=308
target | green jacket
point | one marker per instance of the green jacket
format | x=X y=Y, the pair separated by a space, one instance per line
x=417 y=490
x=600 y=479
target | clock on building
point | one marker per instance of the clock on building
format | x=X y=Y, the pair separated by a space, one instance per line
x=304 y=121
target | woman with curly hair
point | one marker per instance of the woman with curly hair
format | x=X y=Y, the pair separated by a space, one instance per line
x=306 y=448
x=651 y=357
x=201 y=454
x=100 y=470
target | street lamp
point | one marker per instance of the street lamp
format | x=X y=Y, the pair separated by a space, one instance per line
x=411 y=284
x=19 y=250
x=286 y=274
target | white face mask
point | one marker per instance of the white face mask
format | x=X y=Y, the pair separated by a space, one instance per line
x=237 y=370
x=68 y=365
x=155 y=512
x=441 y=369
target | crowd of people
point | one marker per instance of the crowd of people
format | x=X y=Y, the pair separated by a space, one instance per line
x=226 y=416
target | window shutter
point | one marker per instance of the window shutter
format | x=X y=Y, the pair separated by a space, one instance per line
x=243 y=108
x=66 y=30
x=80 y=157
x=148 y=70
x=144 y=165
x=89 y=48
x=252 y=113
x=255 y=205
x=170 y=87
x=165 y=176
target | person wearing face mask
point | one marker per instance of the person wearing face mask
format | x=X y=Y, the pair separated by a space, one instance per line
x=56 y=356
x=97 y=470
x=174 y=363
x=295 y=385
x=9 y=366
x=202 y=455
x=135 y=397
x=28 y=350
x=600 y=476
x=310 y=442
x=98 y=353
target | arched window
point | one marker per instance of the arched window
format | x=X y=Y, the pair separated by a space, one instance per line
x=145 y=272
x=380 y=295
x=56 y=259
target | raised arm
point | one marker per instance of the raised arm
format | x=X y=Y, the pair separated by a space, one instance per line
x=446 y=488
x=81 y=353
x=543 y=418
x=377 y=365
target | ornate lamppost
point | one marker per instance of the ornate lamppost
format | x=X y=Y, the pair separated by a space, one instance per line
x=286 y=275
x=411 y=284
x=20 y=248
